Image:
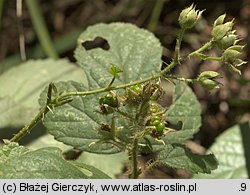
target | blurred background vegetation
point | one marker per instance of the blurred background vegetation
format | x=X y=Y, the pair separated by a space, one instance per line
x=31 y=29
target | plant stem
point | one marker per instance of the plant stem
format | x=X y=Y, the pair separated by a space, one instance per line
x=214 y=58
x=26 y=129
x=178 y=45
x=111 y=82
x=155 y=15
x=133 y=159
x=83 y=93
x=41 y=28
x=181 y=79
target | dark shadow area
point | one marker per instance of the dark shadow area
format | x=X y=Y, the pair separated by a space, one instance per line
x=37 y=131
x=245 y=134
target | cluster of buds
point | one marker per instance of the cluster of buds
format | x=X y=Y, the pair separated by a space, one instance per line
x=207 y=80
x=189 y=17
x=225 y=38
x=223 y=34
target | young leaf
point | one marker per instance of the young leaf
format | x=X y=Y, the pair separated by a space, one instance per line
x=232 y=151
x=178 y=156
x=135 y=51
x=40 y=164
x=114 y=71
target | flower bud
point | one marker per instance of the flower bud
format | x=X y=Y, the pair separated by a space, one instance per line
x=232 y=53
x=222 y=30
x=231 y=58
x=206 y=79
x=188 y=17
x=227 y=41
x=219 y=20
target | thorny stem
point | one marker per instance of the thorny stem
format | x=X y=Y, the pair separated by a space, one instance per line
x=135 y=172
x=26 y=129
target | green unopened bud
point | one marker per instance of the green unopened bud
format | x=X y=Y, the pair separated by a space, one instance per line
x=231 y=58
x=227 y=41
x=232 y=53
x=219 y=20
x=222 y=30
x=189 y=16
x=206 y=80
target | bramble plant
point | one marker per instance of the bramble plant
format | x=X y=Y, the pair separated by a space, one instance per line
x=116 y=109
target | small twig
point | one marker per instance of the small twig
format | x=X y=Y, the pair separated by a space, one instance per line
x=20 y=29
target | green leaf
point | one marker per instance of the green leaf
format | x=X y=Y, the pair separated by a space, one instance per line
x=42 y=163
x=114 y=71
x=77 y=123
x=232 y=151
x=178 y=156
x=21 y=86
x=135 y=51
x=112 y=164
x=184 y=110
